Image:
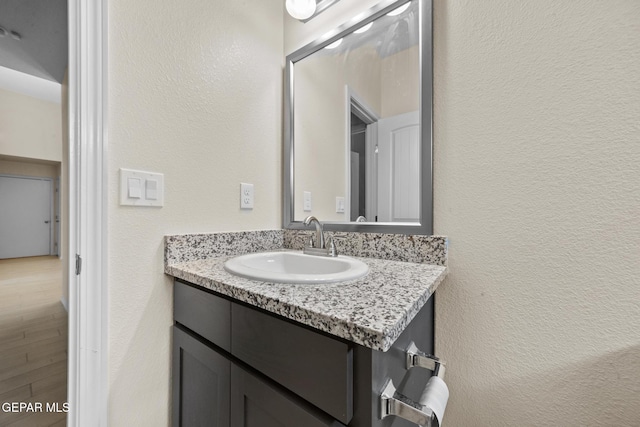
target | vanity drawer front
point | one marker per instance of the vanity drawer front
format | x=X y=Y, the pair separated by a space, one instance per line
x=205 y=314
x=315 y=367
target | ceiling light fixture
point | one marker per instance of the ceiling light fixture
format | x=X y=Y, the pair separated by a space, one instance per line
x=304 y=10
x=335 y=44
x=399 y=10
x=301 y=9
x=363 y=29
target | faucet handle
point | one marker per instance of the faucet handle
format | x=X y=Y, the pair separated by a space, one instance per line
x=331 y=246
x=310 y=243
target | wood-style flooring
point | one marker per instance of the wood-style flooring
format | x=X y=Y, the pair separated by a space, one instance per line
x=33 y=340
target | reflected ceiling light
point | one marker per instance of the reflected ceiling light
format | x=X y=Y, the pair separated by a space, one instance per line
x=363 y=29
x=335 y=44
x=399 y=10
x=301 y=9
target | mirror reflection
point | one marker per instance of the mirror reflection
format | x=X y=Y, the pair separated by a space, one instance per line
x=356 y=126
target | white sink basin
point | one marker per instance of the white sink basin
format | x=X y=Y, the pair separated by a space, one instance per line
x=295 y=267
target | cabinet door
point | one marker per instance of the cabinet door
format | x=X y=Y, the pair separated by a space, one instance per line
x=255 y=403
x=200 y=383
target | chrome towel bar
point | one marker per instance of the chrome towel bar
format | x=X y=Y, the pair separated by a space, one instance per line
x=394 y=403
x=429 y=410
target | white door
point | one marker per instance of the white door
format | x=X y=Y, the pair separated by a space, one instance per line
x=399 y=168
x=25 y=216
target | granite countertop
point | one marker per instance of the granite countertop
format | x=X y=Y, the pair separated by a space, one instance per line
x=371 y=311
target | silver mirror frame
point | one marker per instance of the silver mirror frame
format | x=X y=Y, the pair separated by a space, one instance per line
x=426 y=123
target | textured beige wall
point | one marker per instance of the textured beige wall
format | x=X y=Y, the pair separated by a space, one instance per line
x=536 y=184
x=195 y=92
x=537 y=172
x=30 y=127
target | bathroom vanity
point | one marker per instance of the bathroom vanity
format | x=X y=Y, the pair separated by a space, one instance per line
x=258 y=353
x=251 y=353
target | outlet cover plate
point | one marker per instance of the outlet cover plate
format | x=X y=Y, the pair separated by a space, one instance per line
x=246 y=196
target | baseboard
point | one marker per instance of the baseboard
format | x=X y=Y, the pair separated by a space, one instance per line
x=65 y=304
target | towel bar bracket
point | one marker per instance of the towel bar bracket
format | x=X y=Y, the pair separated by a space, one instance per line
x=415 y=357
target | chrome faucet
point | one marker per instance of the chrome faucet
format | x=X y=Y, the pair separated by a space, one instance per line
x=319 y=233
x=321 y=247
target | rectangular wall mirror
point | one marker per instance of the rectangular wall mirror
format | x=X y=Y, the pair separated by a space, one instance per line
x=358 y=124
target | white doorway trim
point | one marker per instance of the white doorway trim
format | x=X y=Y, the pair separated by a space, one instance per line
x=87 y=378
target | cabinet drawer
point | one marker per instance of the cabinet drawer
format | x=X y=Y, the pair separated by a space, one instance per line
x=203 y=313
x=317 y=368
x=255 y=403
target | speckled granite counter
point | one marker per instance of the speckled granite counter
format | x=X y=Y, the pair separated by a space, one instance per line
x=371 y=311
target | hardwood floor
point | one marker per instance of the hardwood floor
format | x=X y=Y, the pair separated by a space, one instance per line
x=33 y=341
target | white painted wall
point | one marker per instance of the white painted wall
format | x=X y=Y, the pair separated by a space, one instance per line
x=30 y=127
x=195 y=92
x=536 y=184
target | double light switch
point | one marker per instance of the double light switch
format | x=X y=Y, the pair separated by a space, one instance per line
x=139 y=188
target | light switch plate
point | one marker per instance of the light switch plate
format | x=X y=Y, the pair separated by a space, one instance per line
x=134 y=188
x=151 y=189
x=140 y=188
x=339 y=204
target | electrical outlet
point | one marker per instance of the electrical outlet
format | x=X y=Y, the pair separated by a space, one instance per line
x=246 y=196
x=306 y=201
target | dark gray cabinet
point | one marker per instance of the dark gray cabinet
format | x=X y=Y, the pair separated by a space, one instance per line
x=201 y=380
x=313 y=366
x=256 y=403
x=239 y=366
x=211 y=391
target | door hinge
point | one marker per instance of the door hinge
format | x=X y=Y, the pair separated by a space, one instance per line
x=78 y=265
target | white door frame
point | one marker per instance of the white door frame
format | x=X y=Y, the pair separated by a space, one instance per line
x=87 y=378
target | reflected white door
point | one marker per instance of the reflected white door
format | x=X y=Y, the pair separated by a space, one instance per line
x=25 y=216
x=399 y=168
